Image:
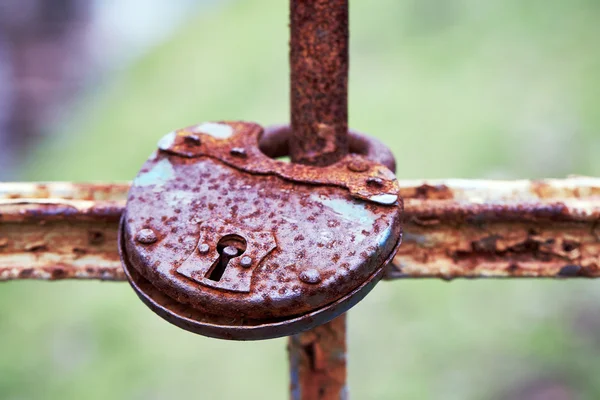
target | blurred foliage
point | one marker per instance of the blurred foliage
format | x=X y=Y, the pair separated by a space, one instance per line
x=459 y=88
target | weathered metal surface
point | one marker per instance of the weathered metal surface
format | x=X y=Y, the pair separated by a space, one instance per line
x=225 y=327
x=319 y=80
x=319 y=136
x=441 y=217
x=315 y=239
x=318 y=362
x=236 y=144
x=474 y=229
x=60 y=191
x=60 y=231
x=275 y=143
x=59 y=250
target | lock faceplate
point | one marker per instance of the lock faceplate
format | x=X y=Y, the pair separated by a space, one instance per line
x=236 y=274
x=224 y=241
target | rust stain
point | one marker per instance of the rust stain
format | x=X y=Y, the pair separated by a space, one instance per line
x=506 y=243
x=71 y=244
x=542 y=228
x=64 y=191
x=275 y=142
x=319 y=115
x=247 y=136
x=319 y=81
x=318 y=362
x=430 y=192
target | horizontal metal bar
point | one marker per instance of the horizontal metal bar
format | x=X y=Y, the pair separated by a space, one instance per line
x=60 y=230
x=477 y=229
x=453 y=228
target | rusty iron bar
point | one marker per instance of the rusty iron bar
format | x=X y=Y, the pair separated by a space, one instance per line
x=319 y=115
x=453 y=229
x=60 y=231
x=312 y=354
x=319 y=81
x=477 y=229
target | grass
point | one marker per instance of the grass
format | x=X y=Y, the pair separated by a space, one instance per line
x=459 y=88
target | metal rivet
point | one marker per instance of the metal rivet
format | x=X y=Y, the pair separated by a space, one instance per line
x=374 y=181
x=192 y=140
x=230 y=251
x=203 y=248
x=358 y=166
x=246 y=262
x=238 y=152
x=146 y=236
x=311 y=276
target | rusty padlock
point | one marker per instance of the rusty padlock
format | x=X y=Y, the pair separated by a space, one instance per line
x=221 y=239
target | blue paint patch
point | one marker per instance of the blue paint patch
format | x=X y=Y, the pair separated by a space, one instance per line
x=158 y=175
x=384 y=237
x=219 y=131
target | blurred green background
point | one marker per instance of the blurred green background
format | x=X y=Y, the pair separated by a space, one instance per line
x=457 y=88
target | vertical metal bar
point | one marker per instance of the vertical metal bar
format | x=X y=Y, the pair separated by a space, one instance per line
x=319 y=108
x=319 y=81
x=318 y=362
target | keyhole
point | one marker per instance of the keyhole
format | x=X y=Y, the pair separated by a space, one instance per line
x=230 y=246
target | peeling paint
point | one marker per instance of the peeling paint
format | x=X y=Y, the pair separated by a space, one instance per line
x=159 y=174
x=350 y=210
x=167 y=141
x=387 y=199
x=218 y=131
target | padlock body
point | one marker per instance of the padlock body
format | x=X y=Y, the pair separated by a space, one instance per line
x=302 y=246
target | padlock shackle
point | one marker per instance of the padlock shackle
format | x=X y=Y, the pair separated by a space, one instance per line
x=319 y=81
x=275 y=143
